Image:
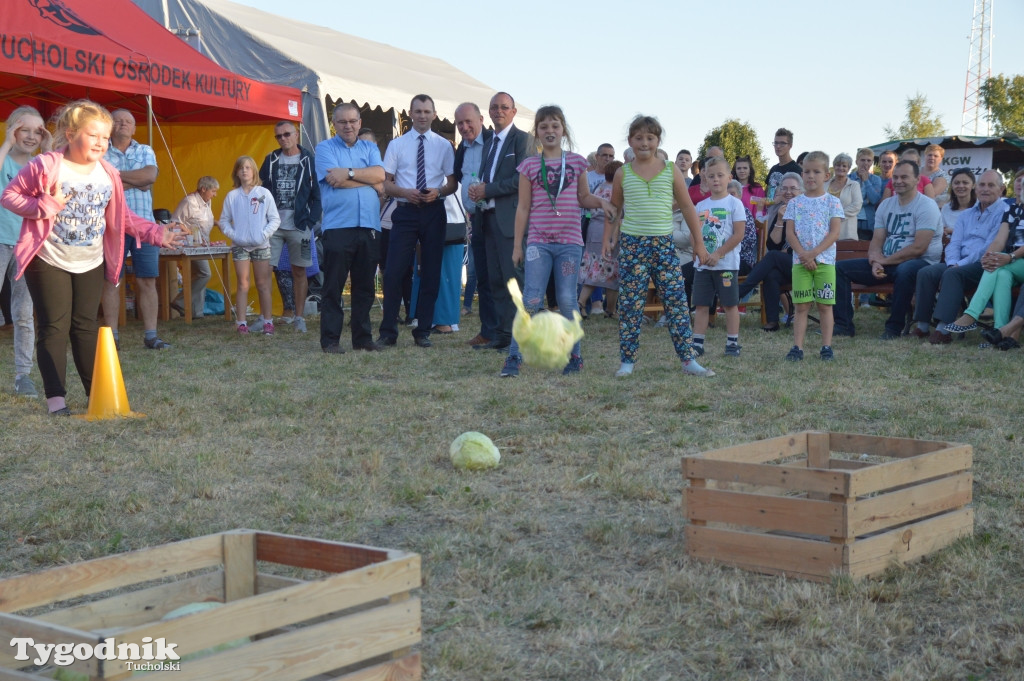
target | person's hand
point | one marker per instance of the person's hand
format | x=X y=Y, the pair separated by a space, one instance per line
x=610 y=211
x=12 y=131
x=476 y=191
x=175 y=235
x=430 y=196
x=808 y=261
x=877 y=270
x=335 y=176
x=711 y=259
x=608 y=248
x=517 y=255
x=47 y=139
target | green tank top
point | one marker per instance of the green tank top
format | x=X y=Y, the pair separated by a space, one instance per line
x=647 y=209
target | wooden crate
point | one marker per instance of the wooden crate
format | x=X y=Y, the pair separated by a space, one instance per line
x=817 y=504
x=350 y=616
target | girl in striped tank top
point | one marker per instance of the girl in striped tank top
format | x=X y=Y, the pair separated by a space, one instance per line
x=643 y=190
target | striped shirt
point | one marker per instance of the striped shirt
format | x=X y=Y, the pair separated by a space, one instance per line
x=647 y=209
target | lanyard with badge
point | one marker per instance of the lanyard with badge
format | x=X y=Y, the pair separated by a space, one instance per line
x=561 y=182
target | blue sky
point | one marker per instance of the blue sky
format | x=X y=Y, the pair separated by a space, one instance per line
x=833 y=73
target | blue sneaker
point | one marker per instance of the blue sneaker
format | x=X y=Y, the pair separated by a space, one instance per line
x=574 y=366
x=510 y=369
x=795 y=354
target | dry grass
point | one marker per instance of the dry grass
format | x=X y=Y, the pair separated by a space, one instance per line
x=568 y=562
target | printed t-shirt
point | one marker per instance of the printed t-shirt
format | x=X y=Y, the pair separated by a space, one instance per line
x=811 y=216
x=560 y=223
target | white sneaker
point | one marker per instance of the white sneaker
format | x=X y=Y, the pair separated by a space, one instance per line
x=299 y=324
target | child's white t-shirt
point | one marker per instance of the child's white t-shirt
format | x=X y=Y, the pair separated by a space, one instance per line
x=811 y=217
x=717 y=217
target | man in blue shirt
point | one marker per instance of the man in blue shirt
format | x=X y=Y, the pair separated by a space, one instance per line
x=973 y=234
x=870 y=191
x=347 y=169
x=468 y=159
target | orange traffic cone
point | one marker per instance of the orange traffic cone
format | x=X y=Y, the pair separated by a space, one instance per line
x=108 y=398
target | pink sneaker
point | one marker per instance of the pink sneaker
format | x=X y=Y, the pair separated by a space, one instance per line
x=242 y=329
x=268 y=328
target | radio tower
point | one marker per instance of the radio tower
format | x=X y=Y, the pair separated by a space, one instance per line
x=979 y=69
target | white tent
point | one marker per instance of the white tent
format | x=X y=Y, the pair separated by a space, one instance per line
x=321 y=62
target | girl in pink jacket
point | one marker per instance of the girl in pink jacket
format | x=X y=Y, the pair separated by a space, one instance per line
x=75 y=221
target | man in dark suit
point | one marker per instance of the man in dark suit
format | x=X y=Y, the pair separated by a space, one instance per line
x=499 y=189
x=470 y=155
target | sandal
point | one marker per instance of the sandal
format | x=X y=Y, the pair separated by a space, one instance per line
x=582 y=309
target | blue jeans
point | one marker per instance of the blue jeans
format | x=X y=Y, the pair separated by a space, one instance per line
x=543 y=260
x=903 y=277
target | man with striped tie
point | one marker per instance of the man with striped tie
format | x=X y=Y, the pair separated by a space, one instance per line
x=418 y=173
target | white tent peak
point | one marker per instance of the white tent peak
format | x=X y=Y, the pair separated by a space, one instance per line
x=319 y=60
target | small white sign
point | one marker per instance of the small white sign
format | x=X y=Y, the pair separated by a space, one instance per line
x=293 y=107
x=976 y=159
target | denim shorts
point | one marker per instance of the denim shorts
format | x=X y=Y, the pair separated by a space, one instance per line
x=145 y=258
x=255 y=254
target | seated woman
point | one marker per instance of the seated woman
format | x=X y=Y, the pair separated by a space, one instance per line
x=848 y=193
x=195 y=212
x=931 y=166
x=776 y=267
x=1003 y=271
x=961 y=197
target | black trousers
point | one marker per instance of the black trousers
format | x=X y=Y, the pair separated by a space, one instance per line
x=499 y=270
x=66 y=305
x=349 y=250
x=411 y=225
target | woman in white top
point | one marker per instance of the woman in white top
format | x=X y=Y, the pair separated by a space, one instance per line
x=961 y=197
x=848 y=193
x=196 y=212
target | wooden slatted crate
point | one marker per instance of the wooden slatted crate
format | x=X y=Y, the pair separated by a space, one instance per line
x=347 y=614
x=818 y=504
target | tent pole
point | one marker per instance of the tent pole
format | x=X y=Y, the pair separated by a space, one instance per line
x=149 y=118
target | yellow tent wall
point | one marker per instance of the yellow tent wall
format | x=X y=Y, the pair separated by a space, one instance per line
x=198 y=149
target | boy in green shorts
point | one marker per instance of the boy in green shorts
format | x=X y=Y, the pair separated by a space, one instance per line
x=812 y=227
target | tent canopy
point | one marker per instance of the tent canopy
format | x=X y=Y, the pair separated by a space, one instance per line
x=1007 y=151
x=52 y=51
x=320 y=61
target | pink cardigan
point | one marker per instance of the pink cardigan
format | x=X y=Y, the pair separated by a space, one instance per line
x=27 y=196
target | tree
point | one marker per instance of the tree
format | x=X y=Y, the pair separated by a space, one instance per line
x=921 y=121
x=736 y=139
x=1004 y=98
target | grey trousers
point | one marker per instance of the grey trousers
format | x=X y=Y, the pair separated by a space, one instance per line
x=951 y=284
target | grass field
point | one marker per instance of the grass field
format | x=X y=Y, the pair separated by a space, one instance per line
x=568 y=561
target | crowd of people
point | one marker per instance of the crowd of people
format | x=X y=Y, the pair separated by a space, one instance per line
x=517 y=205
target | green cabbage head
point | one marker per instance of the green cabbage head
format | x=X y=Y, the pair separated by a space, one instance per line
x=474 y=451
x=546 y=338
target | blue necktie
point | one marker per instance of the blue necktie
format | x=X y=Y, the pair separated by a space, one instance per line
x=490 y=158
x=421 y=165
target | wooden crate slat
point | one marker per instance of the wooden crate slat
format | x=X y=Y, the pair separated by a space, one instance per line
x=787 y=514
x=770 y=554
x=817 y=449
x=872 y=555
x=305 y=652
x=139 y=607
x=761 y=451
x=266 y=583
x=848 y=464
x=909 y=504
x=283 y=607
x=407 y=668
x=111 y=572
x=786 y=477
x=315 y=554
x=16 y=626
x=911 y=470
x=239 y=565
x=898 y=447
